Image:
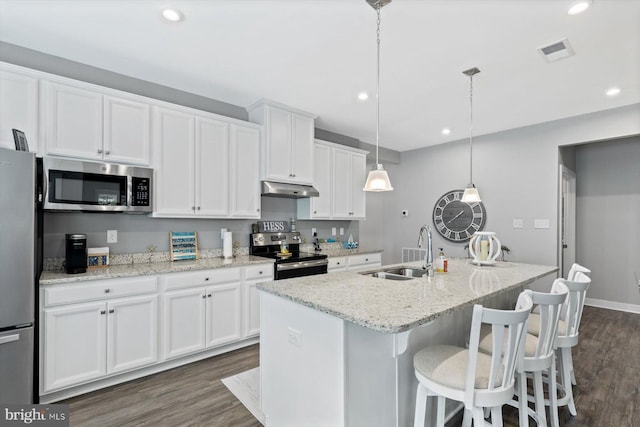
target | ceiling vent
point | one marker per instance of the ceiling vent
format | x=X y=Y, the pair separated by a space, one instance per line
x=556 y=51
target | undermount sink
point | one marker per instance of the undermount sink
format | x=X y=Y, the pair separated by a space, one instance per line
x=398 y=273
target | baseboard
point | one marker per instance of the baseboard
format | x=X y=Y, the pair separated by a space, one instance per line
x=612 y=305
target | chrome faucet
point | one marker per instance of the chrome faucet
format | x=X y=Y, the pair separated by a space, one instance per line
x=428 y=257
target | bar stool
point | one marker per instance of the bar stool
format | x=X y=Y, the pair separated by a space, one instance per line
x=476 y=379
x=567 y=337
x=539 y=355
x=575 y=268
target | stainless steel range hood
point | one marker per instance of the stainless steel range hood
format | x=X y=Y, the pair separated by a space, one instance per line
x=291 y=191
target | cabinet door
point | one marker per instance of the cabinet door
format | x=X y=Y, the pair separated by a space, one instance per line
x=184 y=322
x=245 y=175
x=75 y=338
x=358 y=179
x=322 y=173
x=18 y=108
x=223 y=314
x=132 y=334
x=302 y=149
x=212 y=167
x=73 y=121
x=174 y=163
x=278 y=145
x=341 y=184
x=251 y=309
x=126 y=131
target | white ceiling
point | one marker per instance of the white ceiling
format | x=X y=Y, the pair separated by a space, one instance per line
x=317 y=55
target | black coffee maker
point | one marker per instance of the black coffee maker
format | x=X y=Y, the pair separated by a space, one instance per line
x=76 y=253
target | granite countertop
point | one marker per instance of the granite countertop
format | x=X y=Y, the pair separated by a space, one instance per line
x=397 y=306
x=143 y=269
x=336 y=252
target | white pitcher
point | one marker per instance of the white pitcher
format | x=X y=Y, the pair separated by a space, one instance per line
x=484 y=247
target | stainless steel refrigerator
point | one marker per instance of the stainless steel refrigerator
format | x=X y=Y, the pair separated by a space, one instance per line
x=19 y=270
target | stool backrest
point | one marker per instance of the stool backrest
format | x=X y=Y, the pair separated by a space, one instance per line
x=575 y=268
x=572 y=314
x=550 y=307
x=509 y=328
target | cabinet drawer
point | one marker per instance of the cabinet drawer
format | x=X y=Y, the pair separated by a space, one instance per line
x=355 y=260
x=98 y=289
x=262 y=271
x=199 y=278
x=337 y=262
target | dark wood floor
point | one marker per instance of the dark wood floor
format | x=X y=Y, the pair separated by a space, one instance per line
x=607 y=363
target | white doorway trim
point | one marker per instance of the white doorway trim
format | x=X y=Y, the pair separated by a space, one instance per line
x=566 y=220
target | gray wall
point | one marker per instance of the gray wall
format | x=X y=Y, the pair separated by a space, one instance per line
x=608 y=217
x=137 y=232
x=516 y=172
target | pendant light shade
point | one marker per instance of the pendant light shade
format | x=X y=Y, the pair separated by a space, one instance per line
x=378 y=179
x=471 y=194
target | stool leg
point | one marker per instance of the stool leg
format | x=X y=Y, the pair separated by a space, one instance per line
x=566 y=379
x=523 y=406
x=421 y=406
x=573 y=374
x=440 y=412
x=496 y=416
x=467 y=418
x=478 y=416
x=539 y=395
x=553 y=394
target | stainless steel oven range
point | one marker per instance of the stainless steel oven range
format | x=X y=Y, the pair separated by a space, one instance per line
x=291 y=264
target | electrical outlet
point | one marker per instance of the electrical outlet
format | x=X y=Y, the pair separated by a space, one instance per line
x=313 y=231
x=333 y=231
x=518 y=223
x=405 y=213
x=294 y=336
x=112 y=236
x=342 y=231
x=541 y=223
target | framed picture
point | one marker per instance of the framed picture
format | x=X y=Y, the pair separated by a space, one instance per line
x=20 y=140
x=184 y=245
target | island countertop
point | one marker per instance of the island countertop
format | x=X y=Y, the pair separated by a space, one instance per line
x=396 y=306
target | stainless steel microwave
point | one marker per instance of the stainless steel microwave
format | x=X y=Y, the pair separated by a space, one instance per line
x=75 y=185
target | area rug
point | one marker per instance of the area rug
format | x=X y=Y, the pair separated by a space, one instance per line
x=246 y=387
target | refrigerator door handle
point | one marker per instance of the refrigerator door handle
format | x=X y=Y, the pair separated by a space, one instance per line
x=9 y=338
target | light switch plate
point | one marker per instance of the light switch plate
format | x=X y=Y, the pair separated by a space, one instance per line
x=333 y=231
x=342 y=231
x=518 y=223
x=541 y=223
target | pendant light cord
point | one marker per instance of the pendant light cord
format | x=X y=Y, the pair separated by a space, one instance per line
x=471 y=129
x=378 y=85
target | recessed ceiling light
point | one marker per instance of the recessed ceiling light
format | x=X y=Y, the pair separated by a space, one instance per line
x=613 y=91
x=446 y=131
x=172 y=15
x=363 y=96
x=578 y=6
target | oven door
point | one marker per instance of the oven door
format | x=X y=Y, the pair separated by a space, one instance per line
x=287 y=270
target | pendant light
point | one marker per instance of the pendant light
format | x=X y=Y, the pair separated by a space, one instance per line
x=378 y=179
x=471 y=194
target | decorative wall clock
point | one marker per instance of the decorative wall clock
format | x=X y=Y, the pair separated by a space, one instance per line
x=455 y=220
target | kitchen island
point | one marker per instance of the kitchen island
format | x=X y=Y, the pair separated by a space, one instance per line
x=337 y=350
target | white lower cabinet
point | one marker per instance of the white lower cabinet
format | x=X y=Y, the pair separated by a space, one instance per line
x=363 y=262
x=337 y=264
x=253 y=276
x=89 y=340
x=197 y=316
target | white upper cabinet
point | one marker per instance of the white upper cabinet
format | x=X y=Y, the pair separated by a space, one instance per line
x=18 y=106
x=86 y=123
x=339 y=176
x=287 y=146
x=205 y=165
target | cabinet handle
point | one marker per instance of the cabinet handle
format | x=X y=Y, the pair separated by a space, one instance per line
x=106 y=291
x=337 y=263
x=198 y=207
x=257 y=210
x=203 y=296
x=366 y=259
x=206 y=279
x=260 y=272
x=315 y=212
x=107 y=152
x=193 y=208
x=209 y=296
x=103 y=312
x=112 y=310
x=99 y=150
